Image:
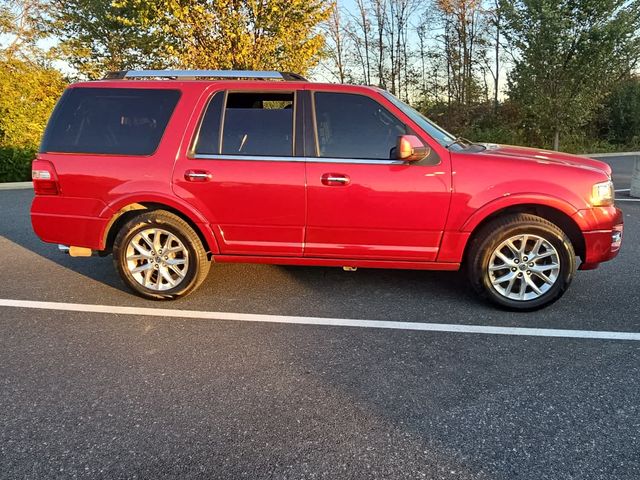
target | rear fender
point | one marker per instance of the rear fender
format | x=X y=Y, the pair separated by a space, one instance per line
x=140 y=201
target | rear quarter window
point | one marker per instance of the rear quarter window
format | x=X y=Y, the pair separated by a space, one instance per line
x=116 y=121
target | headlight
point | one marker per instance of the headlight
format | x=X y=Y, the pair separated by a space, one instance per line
x=603 y=194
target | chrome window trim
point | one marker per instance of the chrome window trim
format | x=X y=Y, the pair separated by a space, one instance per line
x=258 y=158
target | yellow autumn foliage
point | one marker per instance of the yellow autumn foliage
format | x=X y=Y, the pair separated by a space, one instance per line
x=234 y=34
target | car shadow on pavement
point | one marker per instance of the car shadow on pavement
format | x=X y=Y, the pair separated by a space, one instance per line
x=373 y=293
x=16 y=228
x=403 y=295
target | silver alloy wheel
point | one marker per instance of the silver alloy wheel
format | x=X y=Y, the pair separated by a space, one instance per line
x=157 y=259
x=524 y=267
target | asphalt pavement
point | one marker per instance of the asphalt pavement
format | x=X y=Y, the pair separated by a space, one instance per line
x=107 y=395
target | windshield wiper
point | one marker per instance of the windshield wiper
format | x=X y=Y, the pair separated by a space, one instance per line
x=459 y=141
x=464 y=142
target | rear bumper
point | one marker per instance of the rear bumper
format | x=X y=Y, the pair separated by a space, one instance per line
x=68 y=221
x=69 y=230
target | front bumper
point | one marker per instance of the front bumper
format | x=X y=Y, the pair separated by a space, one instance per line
x=604 y=243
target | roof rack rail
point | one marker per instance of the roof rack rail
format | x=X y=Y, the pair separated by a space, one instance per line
x=202 y=74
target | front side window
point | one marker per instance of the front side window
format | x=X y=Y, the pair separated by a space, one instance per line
x=440 y=135
x=116 y=121
x=355 y=126
x=258 y=124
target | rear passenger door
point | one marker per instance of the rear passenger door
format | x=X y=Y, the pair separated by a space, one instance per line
x=242 y=171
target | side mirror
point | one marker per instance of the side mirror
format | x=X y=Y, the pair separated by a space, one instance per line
x=411 y=149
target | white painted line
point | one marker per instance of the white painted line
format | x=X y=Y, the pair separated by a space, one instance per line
x=623 y=190
x=16 y=185
x=627 y=199
x=335 y=322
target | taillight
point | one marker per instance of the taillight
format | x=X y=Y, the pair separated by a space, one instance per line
x=45 y=179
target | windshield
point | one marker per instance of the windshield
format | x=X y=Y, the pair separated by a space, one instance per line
x=440 y=135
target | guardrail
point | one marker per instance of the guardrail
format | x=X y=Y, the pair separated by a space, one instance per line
x=632 y=156
x=15 y=185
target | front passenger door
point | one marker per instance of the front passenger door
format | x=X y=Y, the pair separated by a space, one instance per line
x=361 y=203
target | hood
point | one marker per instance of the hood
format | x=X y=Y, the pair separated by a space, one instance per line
x=547 y=156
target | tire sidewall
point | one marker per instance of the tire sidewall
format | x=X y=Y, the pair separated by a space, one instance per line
x=565 y=255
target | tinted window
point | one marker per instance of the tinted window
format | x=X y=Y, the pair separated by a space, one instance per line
x=208 y=142
x=119 y=121
x=258 y=124
x=355 y=126
x=440 y=135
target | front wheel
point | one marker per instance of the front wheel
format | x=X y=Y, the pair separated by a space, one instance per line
x=159 y=256
x=521 y=262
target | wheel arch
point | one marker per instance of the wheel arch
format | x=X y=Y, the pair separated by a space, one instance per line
x=558 y=217
x=125 y=210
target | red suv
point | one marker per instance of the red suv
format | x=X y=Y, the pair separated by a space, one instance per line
x=171 y=170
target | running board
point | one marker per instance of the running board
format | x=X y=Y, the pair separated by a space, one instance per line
x=332 y=262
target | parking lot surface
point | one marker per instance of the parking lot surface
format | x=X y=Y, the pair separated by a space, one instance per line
x=87 y=394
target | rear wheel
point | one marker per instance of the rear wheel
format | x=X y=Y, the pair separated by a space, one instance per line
x=159 y=256
x=521 y=262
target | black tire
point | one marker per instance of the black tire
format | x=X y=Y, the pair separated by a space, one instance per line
x=493 y=235
x=195 y=270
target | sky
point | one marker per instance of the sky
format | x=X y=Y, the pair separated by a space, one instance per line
x=318 y=74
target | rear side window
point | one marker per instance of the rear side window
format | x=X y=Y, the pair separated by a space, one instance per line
x=208 y=141
x=258 y=124
x=117 y=121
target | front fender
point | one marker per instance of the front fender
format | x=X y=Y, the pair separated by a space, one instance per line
x=533 y=199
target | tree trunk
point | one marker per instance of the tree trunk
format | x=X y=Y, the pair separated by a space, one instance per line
x=365 y=31
x=556 y=140
x=380 y=24
x=497 y=77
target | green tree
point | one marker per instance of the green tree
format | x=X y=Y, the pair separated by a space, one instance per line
x=28 y=93
x=22 y=25
x=97 y=35
x=29 y=86
x=248 y=34
x=622 y=114
x=569 y=55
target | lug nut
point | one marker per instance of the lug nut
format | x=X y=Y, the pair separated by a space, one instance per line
x=531 y=264
x=519 y=275
x=514 y=269
x=528 y=272
x=525 y=259
x=517 y=261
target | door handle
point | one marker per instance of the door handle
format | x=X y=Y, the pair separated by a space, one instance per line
x=197 y=176
x=335 y=179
